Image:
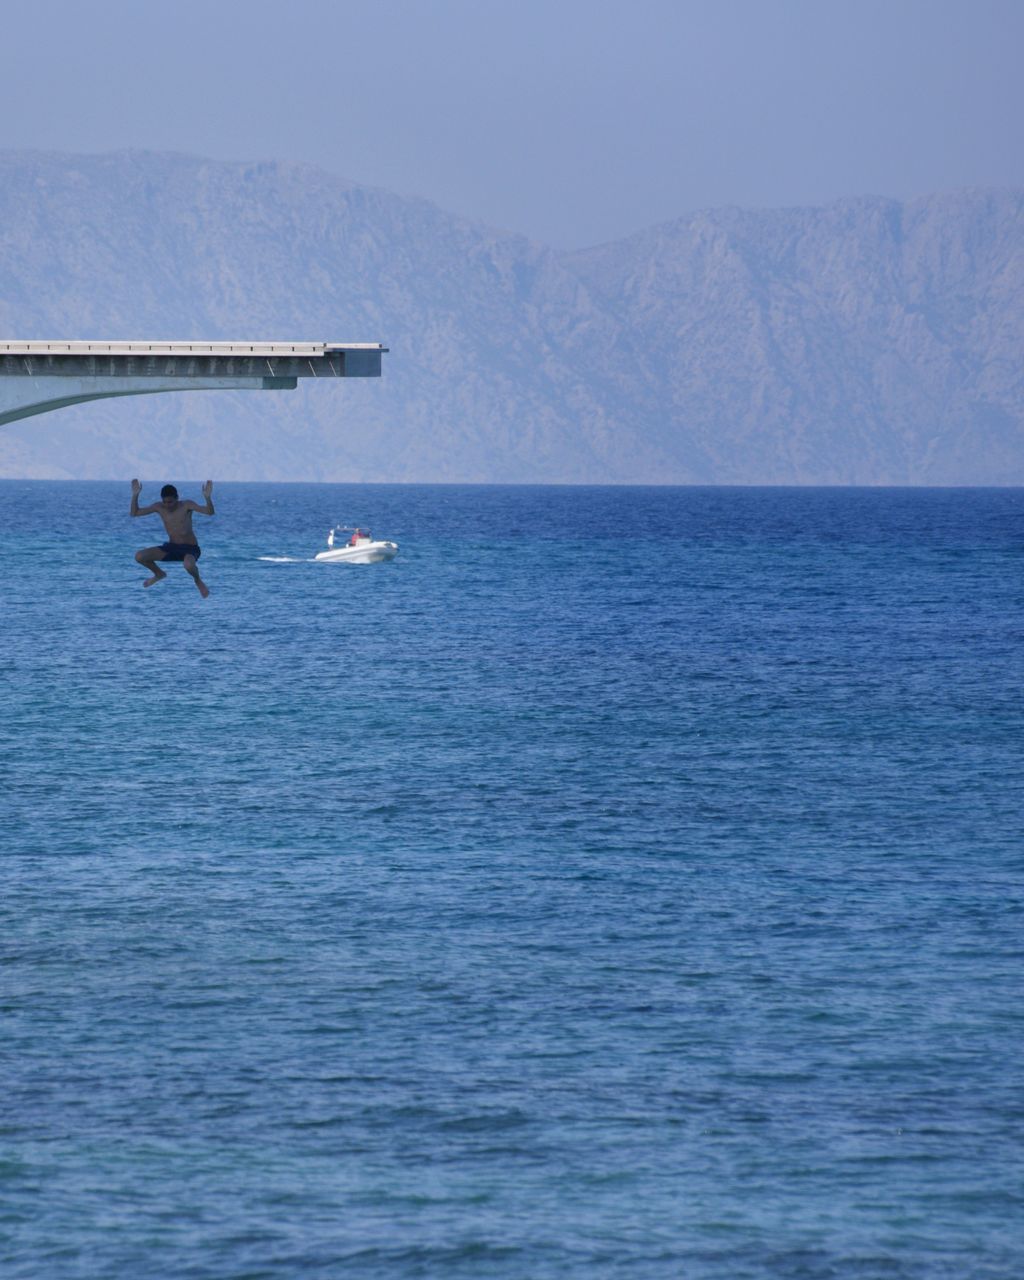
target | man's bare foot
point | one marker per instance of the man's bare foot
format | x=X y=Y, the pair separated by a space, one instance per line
x=157 y=575
x=204 y=590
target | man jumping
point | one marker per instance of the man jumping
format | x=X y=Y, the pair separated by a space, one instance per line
x=177 y=518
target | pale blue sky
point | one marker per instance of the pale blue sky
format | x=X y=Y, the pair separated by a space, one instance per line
x=573 y=121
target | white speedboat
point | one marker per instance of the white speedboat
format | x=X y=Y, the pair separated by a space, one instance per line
x=360 y=548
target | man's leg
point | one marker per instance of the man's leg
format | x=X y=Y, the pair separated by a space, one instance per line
x=148 y=558
x=190 y=567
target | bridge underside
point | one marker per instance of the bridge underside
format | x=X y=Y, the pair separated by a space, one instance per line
x=37 y=377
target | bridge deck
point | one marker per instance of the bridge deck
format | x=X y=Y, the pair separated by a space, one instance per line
x=37 y=376
x=191 y=359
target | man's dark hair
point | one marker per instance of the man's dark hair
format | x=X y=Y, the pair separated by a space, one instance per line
x=168 y=491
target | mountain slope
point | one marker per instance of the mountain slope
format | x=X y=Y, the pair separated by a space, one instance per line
x=867 y=341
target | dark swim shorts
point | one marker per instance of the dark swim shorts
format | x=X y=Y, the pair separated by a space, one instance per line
x=179 y=550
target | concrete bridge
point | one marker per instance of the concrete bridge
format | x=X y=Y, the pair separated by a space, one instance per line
x=36 y=377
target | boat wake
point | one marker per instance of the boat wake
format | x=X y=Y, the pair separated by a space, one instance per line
x=285 y=559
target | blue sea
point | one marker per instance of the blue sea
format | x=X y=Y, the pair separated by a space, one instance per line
x=622 y=882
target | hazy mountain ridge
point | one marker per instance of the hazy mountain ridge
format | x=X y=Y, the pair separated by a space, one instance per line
x=869 y=341
x=866 y=340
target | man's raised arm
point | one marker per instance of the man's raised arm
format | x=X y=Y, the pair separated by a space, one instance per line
x=208 y=495
x=136 y=510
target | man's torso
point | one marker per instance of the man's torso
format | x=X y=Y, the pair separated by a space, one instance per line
x=178 y=523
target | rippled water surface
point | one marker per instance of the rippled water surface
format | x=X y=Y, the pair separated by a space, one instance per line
x=622 y=882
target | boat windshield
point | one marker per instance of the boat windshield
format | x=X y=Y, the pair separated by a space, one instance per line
x=346 y=533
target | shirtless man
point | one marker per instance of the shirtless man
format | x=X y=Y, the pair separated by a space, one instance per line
x=177 y=518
